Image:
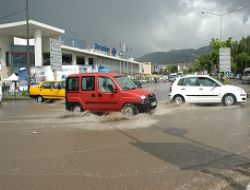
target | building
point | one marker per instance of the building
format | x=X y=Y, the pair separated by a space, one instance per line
x=183 y=66
x=74 y=59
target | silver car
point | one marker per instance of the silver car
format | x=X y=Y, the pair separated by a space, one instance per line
x=172 y=77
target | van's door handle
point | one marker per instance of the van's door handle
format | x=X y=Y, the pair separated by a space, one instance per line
x=99 y=95
x=200 y=88
x=93 y=95
x=183 y=89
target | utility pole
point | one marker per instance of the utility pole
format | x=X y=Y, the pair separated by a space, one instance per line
x=28 y=43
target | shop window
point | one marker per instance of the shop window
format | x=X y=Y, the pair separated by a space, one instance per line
x=66 y=59
x=7 y=59
x=91 y=61
x=46 y=59
x=80 y=60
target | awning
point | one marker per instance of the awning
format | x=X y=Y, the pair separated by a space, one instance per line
x=13 y=77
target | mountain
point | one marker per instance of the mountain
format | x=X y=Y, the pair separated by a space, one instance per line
x=174 y=56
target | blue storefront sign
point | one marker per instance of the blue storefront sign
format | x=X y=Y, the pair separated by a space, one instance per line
x=103 y=69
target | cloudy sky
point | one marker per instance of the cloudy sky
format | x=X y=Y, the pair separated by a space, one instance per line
x=145 y=25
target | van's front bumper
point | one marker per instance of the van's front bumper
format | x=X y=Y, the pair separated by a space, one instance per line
x=147 y=105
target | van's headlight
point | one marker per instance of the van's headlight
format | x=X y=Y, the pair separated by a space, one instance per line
x=143 y=97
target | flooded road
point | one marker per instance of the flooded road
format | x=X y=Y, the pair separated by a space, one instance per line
x=177 y=147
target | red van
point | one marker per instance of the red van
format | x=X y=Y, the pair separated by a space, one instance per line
x=107 y=92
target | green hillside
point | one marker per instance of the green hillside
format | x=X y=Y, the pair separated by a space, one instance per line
x=174 y=56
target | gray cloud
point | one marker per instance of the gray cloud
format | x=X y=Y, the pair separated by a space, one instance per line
x=145 y=25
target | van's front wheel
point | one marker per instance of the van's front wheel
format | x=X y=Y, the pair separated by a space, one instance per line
x=129 y=110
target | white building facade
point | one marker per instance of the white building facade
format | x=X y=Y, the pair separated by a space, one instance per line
x=74 y=60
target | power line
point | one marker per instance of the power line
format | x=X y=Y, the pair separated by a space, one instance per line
x=12 y=14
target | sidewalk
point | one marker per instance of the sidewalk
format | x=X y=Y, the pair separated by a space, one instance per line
x=18 y=96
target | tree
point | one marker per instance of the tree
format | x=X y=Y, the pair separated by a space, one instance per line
x=171 y=69
x=210 y=60
x=243 y=61
x=205 y=62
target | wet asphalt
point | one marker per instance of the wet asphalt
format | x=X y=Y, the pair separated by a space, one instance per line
x=176 y=147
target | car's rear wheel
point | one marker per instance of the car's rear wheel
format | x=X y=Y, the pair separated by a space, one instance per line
x=77 y=108
x=179 y=99
x=229 y=100
x=129 y=110
x=39 y=99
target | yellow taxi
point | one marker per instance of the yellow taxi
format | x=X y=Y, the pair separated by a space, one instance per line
x=48 y=90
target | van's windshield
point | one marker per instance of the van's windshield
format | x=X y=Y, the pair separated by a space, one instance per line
x=125 y=83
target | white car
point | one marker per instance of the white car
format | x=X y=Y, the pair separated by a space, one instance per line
x=204 y=89
x=172 y=77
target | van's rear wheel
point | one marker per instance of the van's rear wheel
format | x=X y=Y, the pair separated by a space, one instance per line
x=77 y=108
x=129 y=110
x=39 y=99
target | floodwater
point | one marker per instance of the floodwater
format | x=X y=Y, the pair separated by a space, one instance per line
x=178 y=147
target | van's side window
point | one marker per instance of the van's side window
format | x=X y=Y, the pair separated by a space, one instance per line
x=88 y=83
x=105 y=84
x=72 y=84
x=46 y=85
x=56 y=85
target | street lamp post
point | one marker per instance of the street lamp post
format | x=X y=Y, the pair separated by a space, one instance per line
x=220 y=17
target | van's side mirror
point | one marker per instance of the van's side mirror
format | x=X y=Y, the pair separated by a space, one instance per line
x=114 y=90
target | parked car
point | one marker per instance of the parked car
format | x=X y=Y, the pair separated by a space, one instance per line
x=231 y=75
x=138 y=83
x=204 y=89
x=107 y=92
x=238 y=76
x=165 y=77
x=48 y=90
x=172 y=77
x=180 y=74
x=246 y=76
